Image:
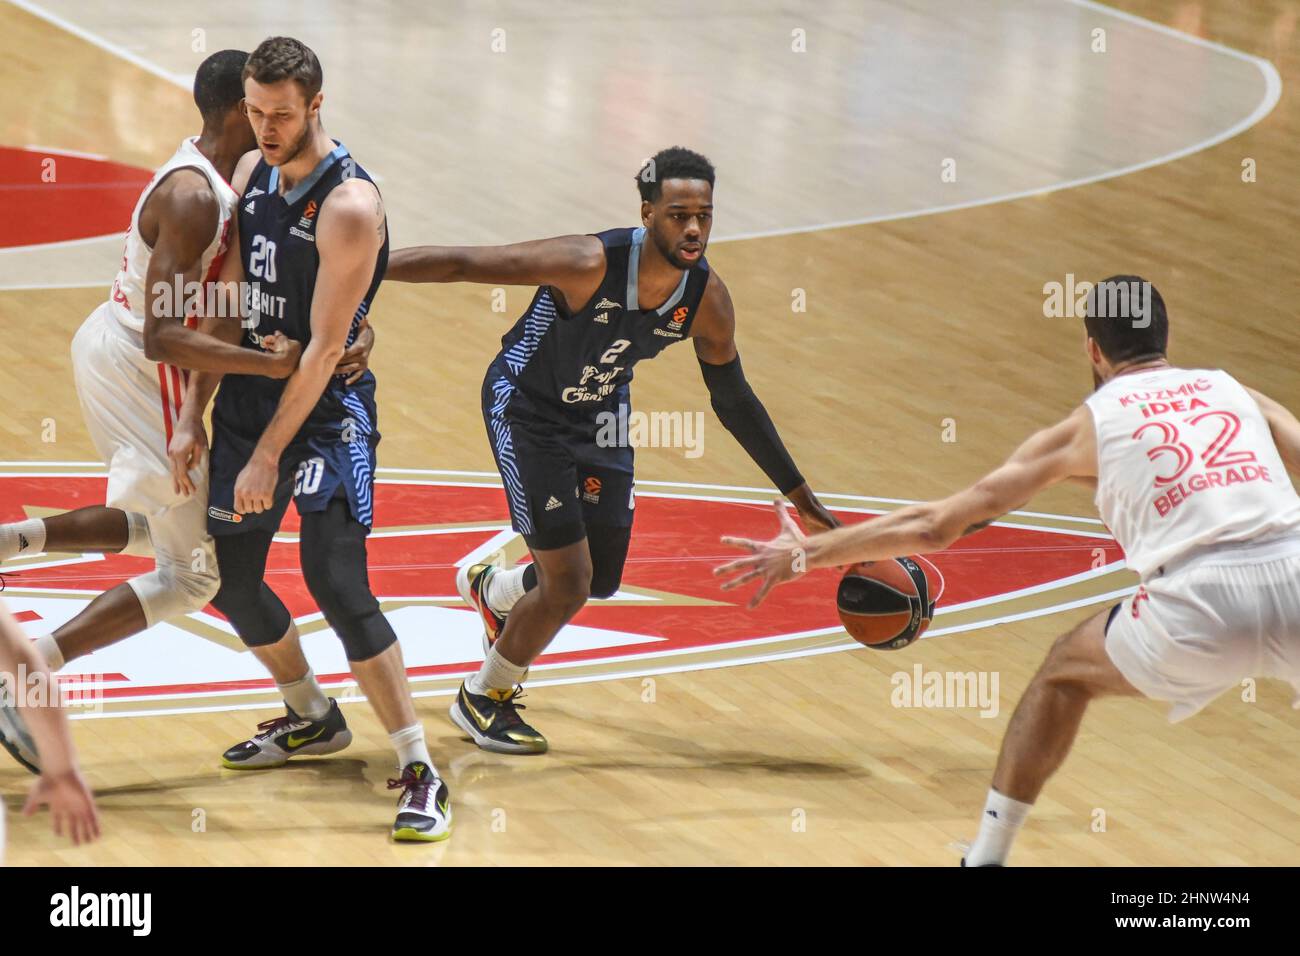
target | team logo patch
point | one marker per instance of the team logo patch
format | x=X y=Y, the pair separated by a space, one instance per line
x=668 y=614
x=308 y=215
x=606 y=304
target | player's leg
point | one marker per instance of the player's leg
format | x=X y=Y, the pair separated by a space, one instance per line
x=1042 y=731
x=334 y=564
x=96 y=528
x=313 y=724
x=126 y=411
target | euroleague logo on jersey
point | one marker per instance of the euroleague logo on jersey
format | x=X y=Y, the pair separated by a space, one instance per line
x=668 y=610
x=308 y=215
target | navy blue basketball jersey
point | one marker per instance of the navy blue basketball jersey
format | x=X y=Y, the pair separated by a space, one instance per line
x=277 y=243
x=581 y=363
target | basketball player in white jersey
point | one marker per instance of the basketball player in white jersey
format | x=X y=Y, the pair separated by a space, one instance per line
x=72 y=805
x=1190 y=469
x=128 y=359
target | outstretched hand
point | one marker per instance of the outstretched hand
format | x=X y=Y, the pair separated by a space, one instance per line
x=772 y=562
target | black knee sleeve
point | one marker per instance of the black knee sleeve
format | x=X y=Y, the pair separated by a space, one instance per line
x=257 y=615
x=608 y=546
x=333 y=553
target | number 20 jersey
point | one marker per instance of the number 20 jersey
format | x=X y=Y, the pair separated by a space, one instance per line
x=1186 y=462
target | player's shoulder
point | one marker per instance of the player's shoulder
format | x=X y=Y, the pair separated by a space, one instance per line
x=185 y=192
x=244 y=170
x=354 y=202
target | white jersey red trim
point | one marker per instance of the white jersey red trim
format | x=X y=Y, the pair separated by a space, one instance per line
x=1186 y=461
x=127 y=298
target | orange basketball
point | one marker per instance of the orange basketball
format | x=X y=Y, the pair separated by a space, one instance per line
x=889 y=604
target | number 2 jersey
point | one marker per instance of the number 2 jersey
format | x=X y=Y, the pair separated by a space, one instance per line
x=572 y=366
x=1187 y=463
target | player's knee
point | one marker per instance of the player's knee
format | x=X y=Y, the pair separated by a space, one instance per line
x=605 y=581
x=566 y=589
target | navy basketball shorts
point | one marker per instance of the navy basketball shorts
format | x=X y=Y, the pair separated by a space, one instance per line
x=322 y=463
x=558 y=478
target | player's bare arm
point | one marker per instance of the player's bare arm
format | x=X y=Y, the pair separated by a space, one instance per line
x=182 y=213
x=348 y=238
x=739 y=410
x=574 y=265
x=61 y=785
x=1285 y=429
x=1065 y=450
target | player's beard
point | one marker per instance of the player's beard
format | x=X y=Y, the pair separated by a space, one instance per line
x=298 y=146
x=668 y=252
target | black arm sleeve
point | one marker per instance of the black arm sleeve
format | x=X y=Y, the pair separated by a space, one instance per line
x=742 y=414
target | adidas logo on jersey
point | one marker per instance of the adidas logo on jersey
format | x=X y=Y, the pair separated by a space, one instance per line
x=255 y=191
x=603 y=318
x=23 y=543
x=606 y=304
x=248 y=208
x=554 y=503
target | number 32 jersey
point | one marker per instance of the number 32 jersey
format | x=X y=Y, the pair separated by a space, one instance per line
x=1186 y=462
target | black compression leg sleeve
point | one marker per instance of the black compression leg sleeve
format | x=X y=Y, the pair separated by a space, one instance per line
x=333 y=553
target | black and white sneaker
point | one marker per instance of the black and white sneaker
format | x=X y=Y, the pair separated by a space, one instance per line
x=14 y=735
x=424 y=807
x=290 y=736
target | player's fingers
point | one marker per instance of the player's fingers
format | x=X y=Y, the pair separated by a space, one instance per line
x=743 y=579
x=745 y=544
x=761 y=593
x=354 y=376
x=33 y=800
x=787 y=523
x=738 y=565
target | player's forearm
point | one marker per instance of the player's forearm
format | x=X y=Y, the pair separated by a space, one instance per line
x=48 y=723
x=428 y=264
x=174 y=344
x=909 y=530
x=300 y=395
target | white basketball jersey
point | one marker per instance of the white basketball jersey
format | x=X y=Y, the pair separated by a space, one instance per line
x=1186 y=461
x=127 y=301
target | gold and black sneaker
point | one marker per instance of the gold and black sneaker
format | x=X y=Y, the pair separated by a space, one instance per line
x=424 y=807
x=471 y=582
x=492 y=721
x=290 y=736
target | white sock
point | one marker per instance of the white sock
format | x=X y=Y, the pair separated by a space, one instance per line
x=49 y=649
x=999 y=825
x=505 y=588
x=497 y=673
x=305 y=697
x=410 y=747
x=22 y=537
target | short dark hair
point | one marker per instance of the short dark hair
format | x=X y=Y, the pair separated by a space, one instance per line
x=1126 y=318
x=219 y=83
x=675 y=162
x=284 y=58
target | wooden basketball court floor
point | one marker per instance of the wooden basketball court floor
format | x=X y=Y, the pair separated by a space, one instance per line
x=1172 y=154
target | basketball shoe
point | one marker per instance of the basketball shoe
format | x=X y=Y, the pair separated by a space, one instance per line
x=492 y=721
x=290 y=736
x=424 y=806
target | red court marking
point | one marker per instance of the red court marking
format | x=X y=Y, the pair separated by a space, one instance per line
x=674 y=548
x=87 y=197
x=23 y=617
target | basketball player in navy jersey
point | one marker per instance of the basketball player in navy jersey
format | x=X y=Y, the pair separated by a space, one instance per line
x=604 y=302
x=313 y=243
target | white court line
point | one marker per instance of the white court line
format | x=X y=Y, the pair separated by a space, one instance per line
x=1272 y=93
